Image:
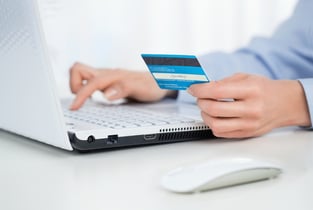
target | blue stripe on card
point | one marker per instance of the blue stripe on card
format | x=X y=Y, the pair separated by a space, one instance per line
x=176 y=69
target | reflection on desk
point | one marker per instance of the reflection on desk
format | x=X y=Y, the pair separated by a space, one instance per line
x=37 y=176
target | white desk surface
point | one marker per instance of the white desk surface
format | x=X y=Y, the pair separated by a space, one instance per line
x=36 y=176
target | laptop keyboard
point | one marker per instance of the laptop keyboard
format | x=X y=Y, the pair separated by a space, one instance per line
x=124 y=116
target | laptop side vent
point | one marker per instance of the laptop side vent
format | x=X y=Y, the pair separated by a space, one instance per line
x=194 y=128
x=200 y=134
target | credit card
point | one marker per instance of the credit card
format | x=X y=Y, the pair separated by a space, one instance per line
x=175 y=72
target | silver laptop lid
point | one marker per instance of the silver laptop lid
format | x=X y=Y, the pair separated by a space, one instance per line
x=29 y=104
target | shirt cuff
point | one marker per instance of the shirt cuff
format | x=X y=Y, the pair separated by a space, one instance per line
x=307 y=85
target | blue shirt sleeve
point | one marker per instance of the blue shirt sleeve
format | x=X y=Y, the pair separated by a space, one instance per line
x=288 y=54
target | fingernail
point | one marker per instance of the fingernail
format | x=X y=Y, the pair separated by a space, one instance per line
x=110 y=93
x=190 y=91
x=73 y=106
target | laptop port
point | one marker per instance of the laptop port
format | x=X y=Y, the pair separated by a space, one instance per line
x=112 y=139
x=91 y=139
x=150 y=137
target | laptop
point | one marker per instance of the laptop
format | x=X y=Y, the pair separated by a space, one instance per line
x=31 y=107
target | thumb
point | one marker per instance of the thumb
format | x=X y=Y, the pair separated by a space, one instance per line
x=114 y=93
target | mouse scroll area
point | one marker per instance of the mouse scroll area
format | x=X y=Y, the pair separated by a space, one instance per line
x=238 y=178
x=217 y=174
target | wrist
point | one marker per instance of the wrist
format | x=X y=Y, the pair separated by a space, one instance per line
x=296 y=112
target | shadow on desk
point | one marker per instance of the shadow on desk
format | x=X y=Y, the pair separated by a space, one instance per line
x=38 y=176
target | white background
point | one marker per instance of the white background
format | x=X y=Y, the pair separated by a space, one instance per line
x=113 y=33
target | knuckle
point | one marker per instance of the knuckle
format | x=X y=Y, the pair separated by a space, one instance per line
x=238 y=74
x=204 y=116
x=214 y=109
x=76 y=64
x=252 y=126
x=201 y=105
x=257 y=111
x=217 y=134
x=257 y=90
x=73 y=70
x=117 y=71
x=209 y=107
x=75 y=67
x=206 y=119
x=217 y=128
x=214 y=124
x=199 y=90
x=97 y=83
x=219 y=91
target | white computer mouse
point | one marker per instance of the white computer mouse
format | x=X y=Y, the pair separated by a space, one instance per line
x=219 y=173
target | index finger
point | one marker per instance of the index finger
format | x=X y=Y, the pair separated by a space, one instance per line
x=78 y=74
x=87 y=90
x=219 y=90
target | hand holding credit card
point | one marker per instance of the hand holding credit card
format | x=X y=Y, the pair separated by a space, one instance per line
x=175 y=72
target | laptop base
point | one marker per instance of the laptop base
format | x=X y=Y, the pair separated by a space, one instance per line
x=115 y=142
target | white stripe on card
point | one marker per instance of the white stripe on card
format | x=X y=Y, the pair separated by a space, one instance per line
x=191 y=77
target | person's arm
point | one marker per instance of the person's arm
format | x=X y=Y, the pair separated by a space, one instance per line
x=288 y=54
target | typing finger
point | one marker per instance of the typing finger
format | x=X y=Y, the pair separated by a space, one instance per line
x=87 y=90
x=78 y=74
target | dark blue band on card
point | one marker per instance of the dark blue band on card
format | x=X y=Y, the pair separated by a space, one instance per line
x=171 y=61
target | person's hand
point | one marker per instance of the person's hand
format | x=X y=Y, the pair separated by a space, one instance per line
x=259 y=105
x=115 y=83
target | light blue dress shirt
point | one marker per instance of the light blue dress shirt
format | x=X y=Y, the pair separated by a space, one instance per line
x=288 y=54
